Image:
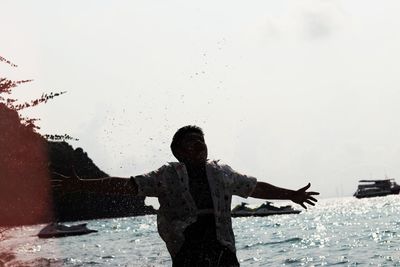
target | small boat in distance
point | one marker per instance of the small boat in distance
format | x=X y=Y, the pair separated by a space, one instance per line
x=60 y=230
x=376 y=188
x=266 y=209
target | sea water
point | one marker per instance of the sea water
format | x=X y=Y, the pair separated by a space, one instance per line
x=341 y=232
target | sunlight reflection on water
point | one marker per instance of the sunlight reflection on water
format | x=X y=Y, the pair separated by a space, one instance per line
x=343 y=231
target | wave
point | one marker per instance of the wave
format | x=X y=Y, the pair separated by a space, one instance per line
x=290 y=240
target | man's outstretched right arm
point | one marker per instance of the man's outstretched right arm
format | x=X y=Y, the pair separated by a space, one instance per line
x=107 y=185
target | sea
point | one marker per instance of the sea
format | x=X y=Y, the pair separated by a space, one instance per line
x=336 y=232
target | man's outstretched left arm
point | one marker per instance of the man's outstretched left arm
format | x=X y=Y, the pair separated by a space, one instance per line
x=301 y=196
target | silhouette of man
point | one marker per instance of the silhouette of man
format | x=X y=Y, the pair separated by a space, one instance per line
x=195 y=196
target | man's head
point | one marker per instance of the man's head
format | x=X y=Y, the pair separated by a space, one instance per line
x=188 y=145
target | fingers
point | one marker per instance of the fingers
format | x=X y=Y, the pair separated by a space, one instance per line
x=61 y=175
x=75 y=174
x=56 y=183
x=313 y=199
x=306 y=187
x=306 y=197
x=309 y=202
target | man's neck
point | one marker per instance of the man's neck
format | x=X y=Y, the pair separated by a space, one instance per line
x=195 y=165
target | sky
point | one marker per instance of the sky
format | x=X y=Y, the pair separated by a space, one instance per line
x=290 y=92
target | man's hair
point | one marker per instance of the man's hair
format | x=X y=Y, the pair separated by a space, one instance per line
x=180 y=134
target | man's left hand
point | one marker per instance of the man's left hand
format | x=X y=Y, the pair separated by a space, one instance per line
x=301 y=197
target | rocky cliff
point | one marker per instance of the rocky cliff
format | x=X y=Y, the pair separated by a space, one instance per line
x=27 y=164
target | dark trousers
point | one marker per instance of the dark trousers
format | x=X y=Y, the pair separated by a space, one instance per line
x=205 y=254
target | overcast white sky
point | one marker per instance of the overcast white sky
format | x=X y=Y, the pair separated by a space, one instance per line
x=287 y=91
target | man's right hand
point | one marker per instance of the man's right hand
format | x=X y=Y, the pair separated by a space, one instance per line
x=66 y=184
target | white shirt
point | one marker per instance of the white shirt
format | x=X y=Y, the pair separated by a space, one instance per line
x=170 y=184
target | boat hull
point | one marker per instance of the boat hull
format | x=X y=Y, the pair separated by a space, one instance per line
x=56 y=230
x=264 y=214
x=374 y=195
x=64 y=234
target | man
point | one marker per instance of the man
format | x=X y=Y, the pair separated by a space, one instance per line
x=195 y=197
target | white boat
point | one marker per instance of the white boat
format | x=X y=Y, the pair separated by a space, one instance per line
x=376 y=188
x=266 y=209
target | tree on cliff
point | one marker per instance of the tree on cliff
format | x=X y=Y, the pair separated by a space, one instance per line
x=29 y=160
x=25 y=193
